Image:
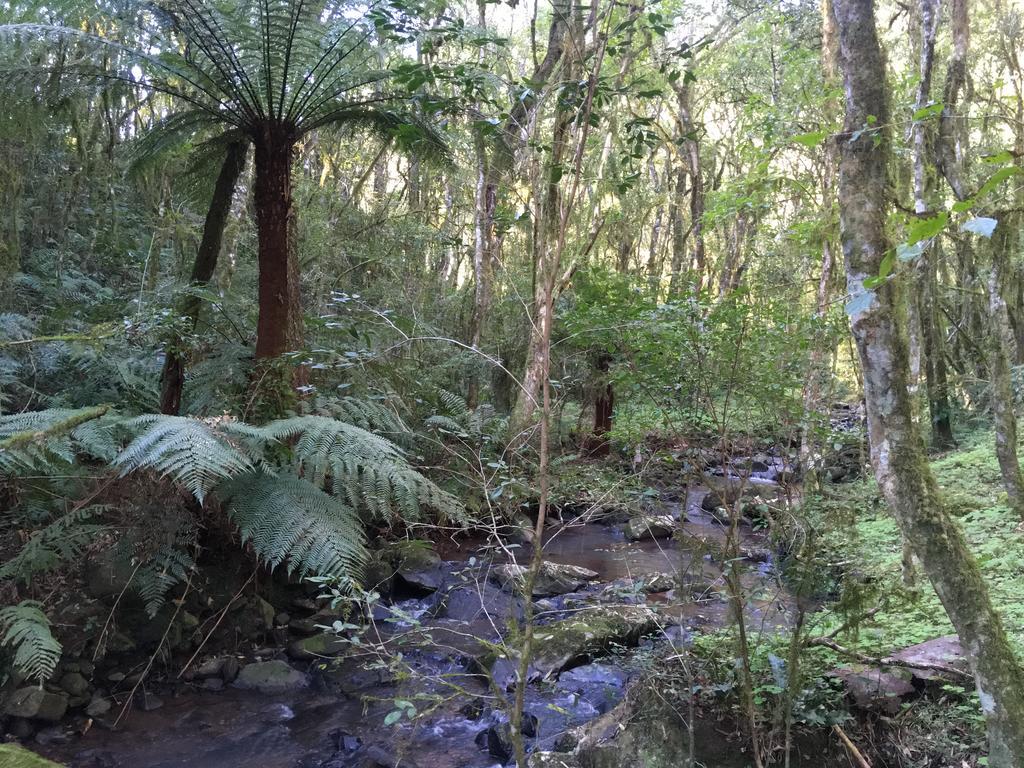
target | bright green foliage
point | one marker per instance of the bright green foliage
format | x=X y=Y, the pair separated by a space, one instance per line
x=289 y=518
x=26 y=630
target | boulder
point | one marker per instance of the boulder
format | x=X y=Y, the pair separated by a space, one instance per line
x=469 y=603
x=265 y=611
x=38 y=703
x=552 y=579
x=74 y=683
x=592 y=674
x=878 y=689
x=270 y=677
x=572 y=641
x=420 y=570
x=935 y=659
x=725 y=492
x=320 y=646
x=14 y=756
x=650 y=527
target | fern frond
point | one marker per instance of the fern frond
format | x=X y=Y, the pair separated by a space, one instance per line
x=288 y=518
x=192 y=452
x=26 y=630
x=167 y=568
x=38 y=440
x=60 y=541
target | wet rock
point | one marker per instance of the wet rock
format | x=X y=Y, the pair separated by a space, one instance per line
x=876 y=689
x=378 y=757
x=472 y=602
x=229 y=671
x=572 y=641
x=210 y=667
x=20 y=729
x=116 y=677
x=213 y=684
x=348 y=678
x=755 y=553
x=53 y=734
x=265 y=611
x=270 y=677
x=552 y=579
x=120 y=643
x=553 y=760
x=147 y=701
x=74 y=683
x=99 y=706
x=650 y=527
x=497 y=741
x=38 y=703
x=726 y=492
x=320 y=646
x=419 y=570
x=14 y=756
x=345 y=742
x=282 y=619
x=592 y=674
x=658 y=582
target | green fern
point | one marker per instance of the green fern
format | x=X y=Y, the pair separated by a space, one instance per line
x=26 y=630
x=196 y=453
x=37 y=441
x=60 y=541
x=369 y=471
x=288 y=518
x=167 y=568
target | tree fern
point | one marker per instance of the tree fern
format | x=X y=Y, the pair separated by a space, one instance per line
x=286 y=518
x=196 y=453
x=26 y=630
x=164 y=570
x=368 y=470
x=39 y=440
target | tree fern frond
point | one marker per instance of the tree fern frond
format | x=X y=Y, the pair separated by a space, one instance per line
x=26 y=630
x=288 y=518
x=38 y=440
x=189 y=451
x=167 y=568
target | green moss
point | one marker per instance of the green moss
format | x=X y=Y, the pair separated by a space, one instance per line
x=13 y=756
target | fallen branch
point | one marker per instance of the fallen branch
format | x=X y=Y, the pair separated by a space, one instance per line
x=854 y=752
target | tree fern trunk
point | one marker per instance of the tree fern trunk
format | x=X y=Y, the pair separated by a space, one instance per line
x=279 y=328
x=172 y=378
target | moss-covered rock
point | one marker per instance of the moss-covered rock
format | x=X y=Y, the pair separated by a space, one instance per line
x=37 y=703
x=573 y=641
x=552 y=579
x=317 y=646
x=270 y=677
x=650 y=527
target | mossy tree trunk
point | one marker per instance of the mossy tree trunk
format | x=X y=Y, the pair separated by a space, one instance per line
x=897 y=447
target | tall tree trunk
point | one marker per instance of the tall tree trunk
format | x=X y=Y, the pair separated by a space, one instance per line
x=279 y=328
x=172 y=377
x=897 y=448
x=597 y=443
x=679 y=233
x=924 y=299
x=1000 y=342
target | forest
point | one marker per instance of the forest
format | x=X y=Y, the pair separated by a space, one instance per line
x=404 y=384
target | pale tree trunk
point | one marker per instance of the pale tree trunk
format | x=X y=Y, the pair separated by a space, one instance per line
x=897 y=448
x=691 y=149
x=924 y=298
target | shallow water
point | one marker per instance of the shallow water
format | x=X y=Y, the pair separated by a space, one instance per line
x=338 y=720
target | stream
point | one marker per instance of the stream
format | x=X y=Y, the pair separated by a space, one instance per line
x=333 y=716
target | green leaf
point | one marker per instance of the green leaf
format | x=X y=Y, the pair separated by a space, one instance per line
x=1006 y=156
x=998 y=178
x=980 y=225
x=812 y=139
x=922 y=229
x=932 y=110
x=393 y=717
x=963 y=206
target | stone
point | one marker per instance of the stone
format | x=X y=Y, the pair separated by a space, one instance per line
x=116 y=677
x=878 y=689
x=497 y=741
x=572 y=641
x=270 y=677
x=98 y=706
x=229 y=670
x=469 y=603
x=54 y=734
x=650 y=527
x=147 y=702
x=15 y=756
x=317 y=647
x=213 y=684
x=108 y=574
x=265 y=611
x=282 y=619
x=658 y=582
x=210 y=667
x=552 y=579
x=725 y=492
x=20 y=728
x=420 y=570
x=120 y=643
x=938 y=652
x=592 y=674
x=74 y=683
x=38 y=703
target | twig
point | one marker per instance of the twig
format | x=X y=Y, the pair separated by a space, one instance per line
x=216 y=624
x=856 y=753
